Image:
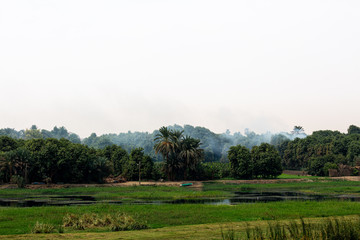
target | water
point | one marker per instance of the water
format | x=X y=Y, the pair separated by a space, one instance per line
x=238 y=198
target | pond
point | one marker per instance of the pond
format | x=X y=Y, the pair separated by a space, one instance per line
x=237 y=198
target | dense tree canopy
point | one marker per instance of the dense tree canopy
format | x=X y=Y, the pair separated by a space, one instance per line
x=314 y=151
x=262 y=162
x=39 y=155
x=182 y=154
x=215 y=145
x=240 y=162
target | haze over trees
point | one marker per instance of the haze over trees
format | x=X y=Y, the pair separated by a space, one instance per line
x=321 y=150
x=60 y=156
x=215 y=145
x=261 y=162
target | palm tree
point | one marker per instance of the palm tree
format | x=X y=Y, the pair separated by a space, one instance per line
x=5 y=168
x=190 y=154
x=180 y=153
x=165 y=146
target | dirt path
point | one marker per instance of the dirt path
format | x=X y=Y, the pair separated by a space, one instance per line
x=196 y=184
x=259 y=181
x=348 y=178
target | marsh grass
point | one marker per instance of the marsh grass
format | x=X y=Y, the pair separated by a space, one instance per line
x=229 y=234
x=116 y=193
x=17 y=220
x=325 y=229
x=43 y=228
x=115 y=222
x=323 y=186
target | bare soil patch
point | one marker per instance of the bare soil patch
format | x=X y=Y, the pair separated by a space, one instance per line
x=261 y=181
x=348 y=178
x=196 y=184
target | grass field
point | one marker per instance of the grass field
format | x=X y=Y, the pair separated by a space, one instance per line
x=210 y=231
x=315 y=187
x=290 y=176
x=175 y=221
x=116 y=193
x=21 y=220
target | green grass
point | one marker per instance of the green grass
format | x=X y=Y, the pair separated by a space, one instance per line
x=290 y=176
x=20 y=220
x=326 y=187
x=116 y=193
x=200 y=231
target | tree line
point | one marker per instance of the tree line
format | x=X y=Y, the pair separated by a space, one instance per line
x=54 y=160
x=215 y=145
x=176 y=156
x=321 y=151
x=60 y=160
x=261 y=162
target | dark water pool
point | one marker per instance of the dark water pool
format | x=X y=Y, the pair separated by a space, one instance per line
x=238 y=198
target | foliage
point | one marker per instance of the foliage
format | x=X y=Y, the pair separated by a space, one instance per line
x=39 y=155
x=327 y=229
x=182 y=154
x=353 y=129
x=53 y=160
x=215 y=145
x=43 y=228
x=263 y=161
x=266 y=161
x=138 y=161
x=115 y=221
x=214 y=170
x=18 y=180
x=240 y=162
x=322 y=147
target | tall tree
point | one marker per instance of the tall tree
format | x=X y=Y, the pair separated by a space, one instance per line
x=33 y=133
x=164 y=145
x=190 y=154
x=240 y=162
x=353 y=129
x=267 y=161
x=181 y=154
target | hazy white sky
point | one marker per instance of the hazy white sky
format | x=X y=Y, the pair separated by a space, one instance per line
x=113 y=66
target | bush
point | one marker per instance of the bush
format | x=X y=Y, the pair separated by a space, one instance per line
x=214 y=170
x=42 y=228
x=18 y=180
x=116 y=222
x=241 y=163
x=123 y=222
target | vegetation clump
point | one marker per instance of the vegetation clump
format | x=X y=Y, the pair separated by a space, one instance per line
x=43 y=228
x=116 y=222
x=327 y=229
x=262 y=162
x=182 y=154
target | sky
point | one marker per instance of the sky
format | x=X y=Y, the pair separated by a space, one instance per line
x=136 y=65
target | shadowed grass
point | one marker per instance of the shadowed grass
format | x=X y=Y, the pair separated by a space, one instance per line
x=290 y=176
x=116 y=193
x=316 y=187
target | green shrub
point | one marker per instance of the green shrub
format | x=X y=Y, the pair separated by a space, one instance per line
x=42 y=228
x=18 y=180
x=123 y=222
x=116 y=222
